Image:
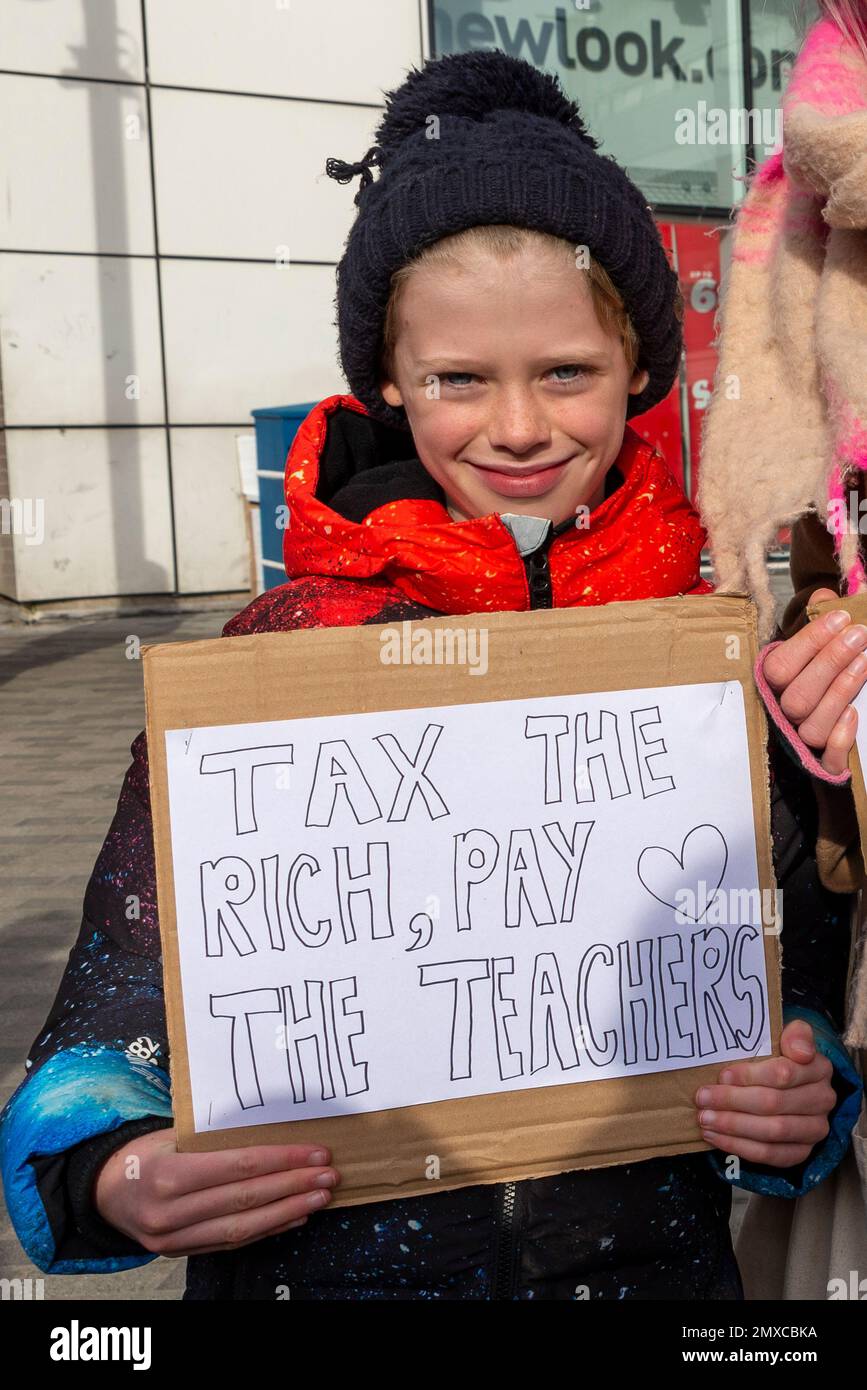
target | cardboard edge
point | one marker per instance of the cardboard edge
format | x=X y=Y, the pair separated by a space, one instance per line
x=170 y=950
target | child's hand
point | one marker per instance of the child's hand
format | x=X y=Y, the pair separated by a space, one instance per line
x=815 y=675
x=775 y=1110
x=191 y=1204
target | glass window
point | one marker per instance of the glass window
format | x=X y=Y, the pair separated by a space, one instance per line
x=664 y=84
x=777 y=28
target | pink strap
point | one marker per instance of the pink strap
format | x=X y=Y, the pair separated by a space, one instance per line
x=805 y=755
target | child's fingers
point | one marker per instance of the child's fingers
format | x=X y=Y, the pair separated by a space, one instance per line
x=801 y=694
x=815 y=1099
x=780 y=1073
x=191 y=1172
x=768 y=1129
x=160 y=1217
x=217 y=1249
x=822 y=596
x=841 y=741
x=797 y=1041
x=230 y=1232
x=793 y=656
x=756 y=1151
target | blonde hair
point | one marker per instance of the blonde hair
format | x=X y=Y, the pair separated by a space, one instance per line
x=850 y=17
x=503 y=241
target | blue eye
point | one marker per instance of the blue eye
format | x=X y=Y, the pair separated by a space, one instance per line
x=449 y=377
x=570 y=367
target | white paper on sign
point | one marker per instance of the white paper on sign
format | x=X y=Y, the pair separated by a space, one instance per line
x=385 y=909
x=860 y=703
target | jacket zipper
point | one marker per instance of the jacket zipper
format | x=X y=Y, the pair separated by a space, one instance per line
x=538 y=568
x=539 y=576
x=506 y=1261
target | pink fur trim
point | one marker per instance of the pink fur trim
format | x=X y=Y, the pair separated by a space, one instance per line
x=761 y=215
x=805 y=755
x=751 y=257
x=770 y=171
x=850 y=452
x=850 y=444
x=828 y=73
x=855 y=578
x=837 y=494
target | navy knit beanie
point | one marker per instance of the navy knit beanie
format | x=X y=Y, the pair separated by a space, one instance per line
x=510 y=147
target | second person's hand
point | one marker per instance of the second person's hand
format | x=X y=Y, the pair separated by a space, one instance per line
x=815 y=675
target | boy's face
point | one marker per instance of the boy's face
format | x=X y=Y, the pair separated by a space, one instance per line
x=515 y=393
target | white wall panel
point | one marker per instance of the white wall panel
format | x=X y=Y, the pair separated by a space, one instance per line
x=335 y=50
x=91 y=38
x=209 y=512
x=75 y=166
x=79 y=336
x=243 y=177
x=107 y=527
x=243 y=336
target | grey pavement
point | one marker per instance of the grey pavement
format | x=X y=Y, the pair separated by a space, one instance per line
x=71 y=702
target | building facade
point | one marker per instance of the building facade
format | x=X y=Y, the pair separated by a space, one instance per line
x=168 y=236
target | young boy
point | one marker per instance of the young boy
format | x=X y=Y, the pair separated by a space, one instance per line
x=504 y=305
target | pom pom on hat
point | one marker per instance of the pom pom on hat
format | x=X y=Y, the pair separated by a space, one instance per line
x=473 y=85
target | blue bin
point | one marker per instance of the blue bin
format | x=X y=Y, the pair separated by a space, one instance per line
x=276 y=427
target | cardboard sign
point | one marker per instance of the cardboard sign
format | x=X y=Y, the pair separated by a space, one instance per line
x=856 y=606
x=464 y=921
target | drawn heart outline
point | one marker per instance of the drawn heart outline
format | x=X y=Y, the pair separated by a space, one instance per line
x=655 y=870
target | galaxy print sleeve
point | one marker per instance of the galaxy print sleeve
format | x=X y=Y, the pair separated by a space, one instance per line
x=815 y=941
x=100 y=1063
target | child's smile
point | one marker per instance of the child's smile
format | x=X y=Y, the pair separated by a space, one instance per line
x=513 y=389
x=527 y=480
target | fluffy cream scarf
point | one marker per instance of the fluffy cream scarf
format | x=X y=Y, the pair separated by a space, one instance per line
x=787 y=424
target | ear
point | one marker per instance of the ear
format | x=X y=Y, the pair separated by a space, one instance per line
x=390 y=392
x=638 y=382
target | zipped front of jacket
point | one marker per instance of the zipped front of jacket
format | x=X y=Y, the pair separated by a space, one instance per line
x=506 y=1243
x=538 y=567
x=539 y=577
